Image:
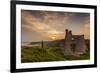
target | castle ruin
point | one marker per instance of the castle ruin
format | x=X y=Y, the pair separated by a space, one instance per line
x=74 y=44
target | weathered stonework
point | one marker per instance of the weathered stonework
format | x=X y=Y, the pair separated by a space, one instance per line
x=74 y=44
x=67 y=43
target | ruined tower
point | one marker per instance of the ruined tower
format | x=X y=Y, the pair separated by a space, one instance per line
x=67 y=43
x=74 y=44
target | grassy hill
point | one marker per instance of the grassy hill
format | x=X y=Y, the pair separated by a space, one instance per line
x=36 y=54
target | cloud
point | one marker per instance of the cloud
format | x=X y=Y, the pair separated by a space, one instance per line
x=87 y=27
x=50 y=23
x=56 y=20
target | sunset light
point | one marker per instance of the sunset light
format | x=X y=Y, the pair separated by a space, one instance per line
x=49 y=25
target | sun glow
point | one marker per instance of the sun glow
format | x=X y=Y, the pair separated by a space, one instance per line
x=55 y=35
x=53 y=38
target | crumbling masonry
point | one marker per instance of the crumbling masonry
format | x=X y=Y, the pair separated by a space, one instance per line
x=74 y=44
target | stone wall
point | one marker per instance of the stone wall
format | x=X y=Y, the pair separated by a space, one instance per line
x=74 y=44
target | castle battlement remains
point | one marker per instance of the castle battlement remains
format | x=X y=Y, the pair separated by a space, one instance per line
x=74 y=44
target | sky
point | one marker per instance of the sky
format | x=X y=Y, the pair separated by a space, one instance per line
x=51 y=25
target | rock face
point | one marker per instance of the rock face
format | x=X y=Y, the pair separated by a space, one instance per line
x=74 y=44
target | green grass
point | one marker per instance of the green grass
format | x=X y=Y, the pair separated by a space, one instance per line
x=35 y=54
